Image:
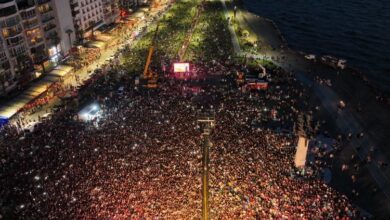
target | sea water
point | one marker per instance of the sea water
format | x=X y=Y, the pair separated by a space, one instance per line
x=355 y=30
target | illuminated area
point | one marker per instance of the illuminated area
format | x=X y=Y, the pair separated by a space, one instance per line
x=181 y=116
x=90 y=112
x=181 y=67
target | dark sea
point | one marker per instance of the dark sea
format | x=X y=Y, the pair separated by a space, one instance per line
x=355 y=30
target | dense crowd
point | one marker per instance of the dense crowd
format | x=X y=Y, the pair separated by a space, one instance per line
x=142 y=159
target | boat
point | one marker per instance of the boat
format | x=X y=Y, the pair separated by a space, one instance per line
x=310 y=57
x=334 y=62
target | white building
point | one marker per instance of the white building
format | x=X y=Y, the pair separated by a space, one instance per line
x=89 y=15
x=34 y=33
x=29 y=39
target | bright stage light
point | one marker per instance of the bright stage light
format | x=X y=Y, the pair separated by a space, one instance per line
x=90 y=112
x=181 y=67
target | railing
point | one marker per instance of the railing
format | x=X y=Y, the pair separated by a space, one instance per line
x=26 y=16
x=40 y=2
x=45 y=10
x=36 y=41
x=12 y=33
x=4 y=12
x=31 y=24
x=49 y=27
x=47 y=18
x=5 y=1
x=15 y=42
x=10 y=22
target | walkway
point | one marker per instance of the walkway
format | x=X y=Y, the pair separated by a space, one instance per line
x=83 y=74
x=345 y=122
x=236 y=44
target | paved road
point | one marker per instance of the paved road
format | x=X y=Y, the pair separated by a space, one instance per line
x=83 y=73
x=236 y=44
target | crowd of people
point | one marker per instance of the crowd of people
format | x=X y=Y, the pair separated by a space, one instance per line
x=142 y=158
x=83 y=57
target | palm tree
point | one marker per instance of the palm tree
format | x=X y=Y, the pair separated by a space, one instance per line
x=40 y=58
x=92 y=25
x=69 y=32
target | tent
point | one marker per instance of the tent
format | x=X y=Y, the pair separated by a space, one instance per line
x=61 y=71
x=34 y=91
x=3 y=121
x=11 y=108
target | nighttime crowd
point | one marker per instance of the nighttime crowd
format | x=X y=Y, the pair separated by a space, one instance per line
x=142 y=159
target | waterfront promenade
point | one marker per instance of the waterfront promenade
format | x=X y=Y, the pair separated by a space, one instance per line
x=372 y=120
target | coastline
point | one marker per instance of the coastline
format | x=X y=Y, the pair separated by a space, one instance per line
x=367 y=104
x=264 y=22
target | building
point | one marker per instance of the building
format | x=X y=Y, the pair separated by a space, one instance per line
x=129 y=4
x=110 y=11
x=35 y=34
x=28 y=40
x=88 y=15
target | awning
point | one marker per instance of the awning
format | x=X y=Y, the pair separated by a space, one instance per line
x=38 y=88
x=11 y=108
x=3 y=121
x=104 y=37
x=34 y=91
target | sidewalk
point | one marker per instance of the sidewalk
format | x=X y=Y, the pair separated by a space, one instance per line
x=83 y=74
x=236 y=44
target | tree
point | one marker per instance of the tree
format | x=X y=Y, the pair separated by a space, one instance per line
x=55 y=40
x=92 y=25
x=39 y=57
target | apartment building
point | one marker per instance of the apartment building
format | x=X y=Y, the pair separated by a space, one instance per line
x=28 y=40
x=88 y=15
x=37 y=33
x=130 y=4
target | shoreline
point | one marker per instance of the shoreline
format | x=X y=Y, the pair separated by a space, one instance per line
x=348 y=85
x=283 y=44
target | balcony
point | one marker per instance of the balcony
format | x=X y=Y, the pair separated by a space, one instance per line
x=36 y=41
x=24 y=5
x=5 y=1
x=5 y=12
x=74 y=6
x=75 y=13
x=43 y=9
x=16 y=52
x=10 y=22
x=40 y=2
x=46 y=10
x=12 y=42
x=49 y=27
x=7 y=33
x=46 y=19
x=3 y=56
x=28 y=14
x=31 y=24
